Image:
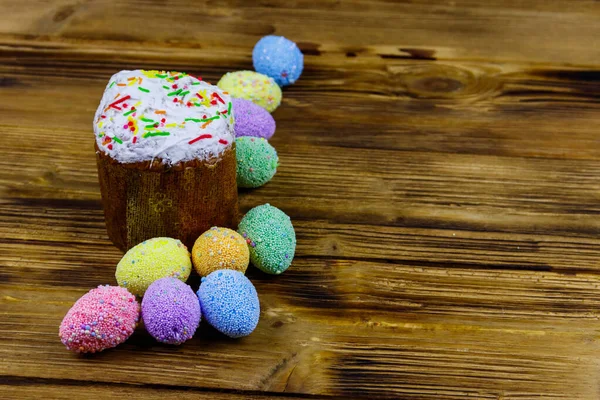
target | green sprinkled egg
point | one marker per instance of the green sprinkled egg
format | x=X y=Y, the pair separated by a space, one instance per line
x=271 y=237
x=256 y=161
x=151 y=260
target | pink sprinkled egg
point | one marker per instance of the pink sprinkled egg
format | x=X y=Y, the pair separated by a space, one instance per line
x=102 y=318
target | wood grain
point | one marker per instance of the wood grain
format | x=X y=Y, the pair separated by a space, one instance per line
x=440 y=162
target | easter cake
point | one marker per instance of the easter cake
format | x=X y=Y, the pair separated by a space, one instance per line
x=165 y=146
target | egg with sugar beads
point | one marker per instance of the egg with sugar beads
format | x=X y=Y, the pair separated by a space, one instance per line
x=229 y=302
x=252 y=120
x=279 y=58
x=170 y=311
x=151 y=260
x=257 y=162
x=220 y=248
x=271 y=238
x=258 y=88
x=101 y=319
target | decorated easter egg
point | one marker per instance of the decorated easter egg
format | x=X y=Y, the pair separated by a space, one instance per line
x=170 y=311
x=229 y=302
x=151 y=260
x=250 y=85
x=102 y=318
x=271 y=237
x=279 y=58
x=256 y=162
x=220 y=248
x=252 y=120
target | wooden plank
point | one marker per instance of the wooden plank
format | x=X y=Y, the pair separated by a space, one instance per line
x=343 y=328
x=534 y=31
x=64 y=227
x=478 y=193
x=31 y=388
x=449 y=107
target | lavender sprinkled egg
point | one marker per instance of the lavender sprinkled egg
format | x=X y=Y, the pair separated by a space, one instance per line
x=252 y=120
x=102 y=318
x=170 y=311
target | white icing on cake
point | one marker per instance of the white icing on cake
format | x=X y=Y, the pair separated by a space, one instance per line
x=172 y=116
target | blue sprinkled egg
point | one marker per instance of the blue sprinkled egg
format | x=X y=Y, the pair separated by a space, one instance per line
x=229 y=302
x=271 y=237
x=279 y=58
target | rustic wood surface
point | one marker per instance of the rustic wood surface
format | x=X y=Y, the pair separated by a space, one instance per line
x=440 y=161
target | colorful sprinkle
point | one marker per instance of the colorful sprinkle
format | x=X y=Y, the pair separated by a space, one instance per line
x=205 y=136
x=150 y=134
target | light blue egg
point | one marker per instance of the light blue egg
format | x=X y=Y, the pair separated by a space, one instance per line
x=229 y=302
x=279 y=58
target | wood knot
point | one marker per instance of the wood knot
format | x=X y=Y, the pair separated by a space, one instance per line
x=438 y=81
x=436 y=84
x=63 y=13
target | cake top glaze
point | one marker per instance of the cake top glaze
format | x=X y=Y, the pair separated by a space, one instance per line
x=170 y=116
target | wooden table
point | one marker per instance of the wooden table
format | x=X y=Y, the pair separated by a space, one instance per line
x=440 y=161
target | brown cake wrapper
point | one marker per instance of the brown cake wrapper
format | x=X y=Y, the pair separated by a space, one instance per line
x=145 y=200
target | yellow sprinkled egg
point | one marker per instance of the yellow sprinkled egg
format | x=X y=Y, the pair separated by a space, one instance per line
x=220 y=248
x=151 y=260
x=250 y=85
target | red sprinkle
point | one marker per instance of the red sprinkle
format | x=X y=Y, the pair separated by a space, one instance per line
x=109 y=146
x=134 y=139
x=156 y=125
x=204 y=116
x=213 y=102
x=131 y=128
x=174 y=86
x=175 y=100
x=130 y=123
x=224 y=112
x=205 y=136
x=189 y=104
x=176 y=78
x=103 y=116
x=163 y=120
x=122 y=99
x=218 y=97
x=125 y=106
x=223 y=141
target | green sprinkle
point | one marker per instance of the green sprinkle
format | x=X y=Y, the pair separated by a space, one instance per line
x=197 y=104
x=161 y=76
x=195 y=83
x=149 y=126
x=161 y=133
x=184 y=93
x=229 y=108
x=203 y=120
x=116 y=139
x=112 y=84
x=129 y=112
x=175 y=92
x=146 y=119
x=143 y=89
x=165 y=87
